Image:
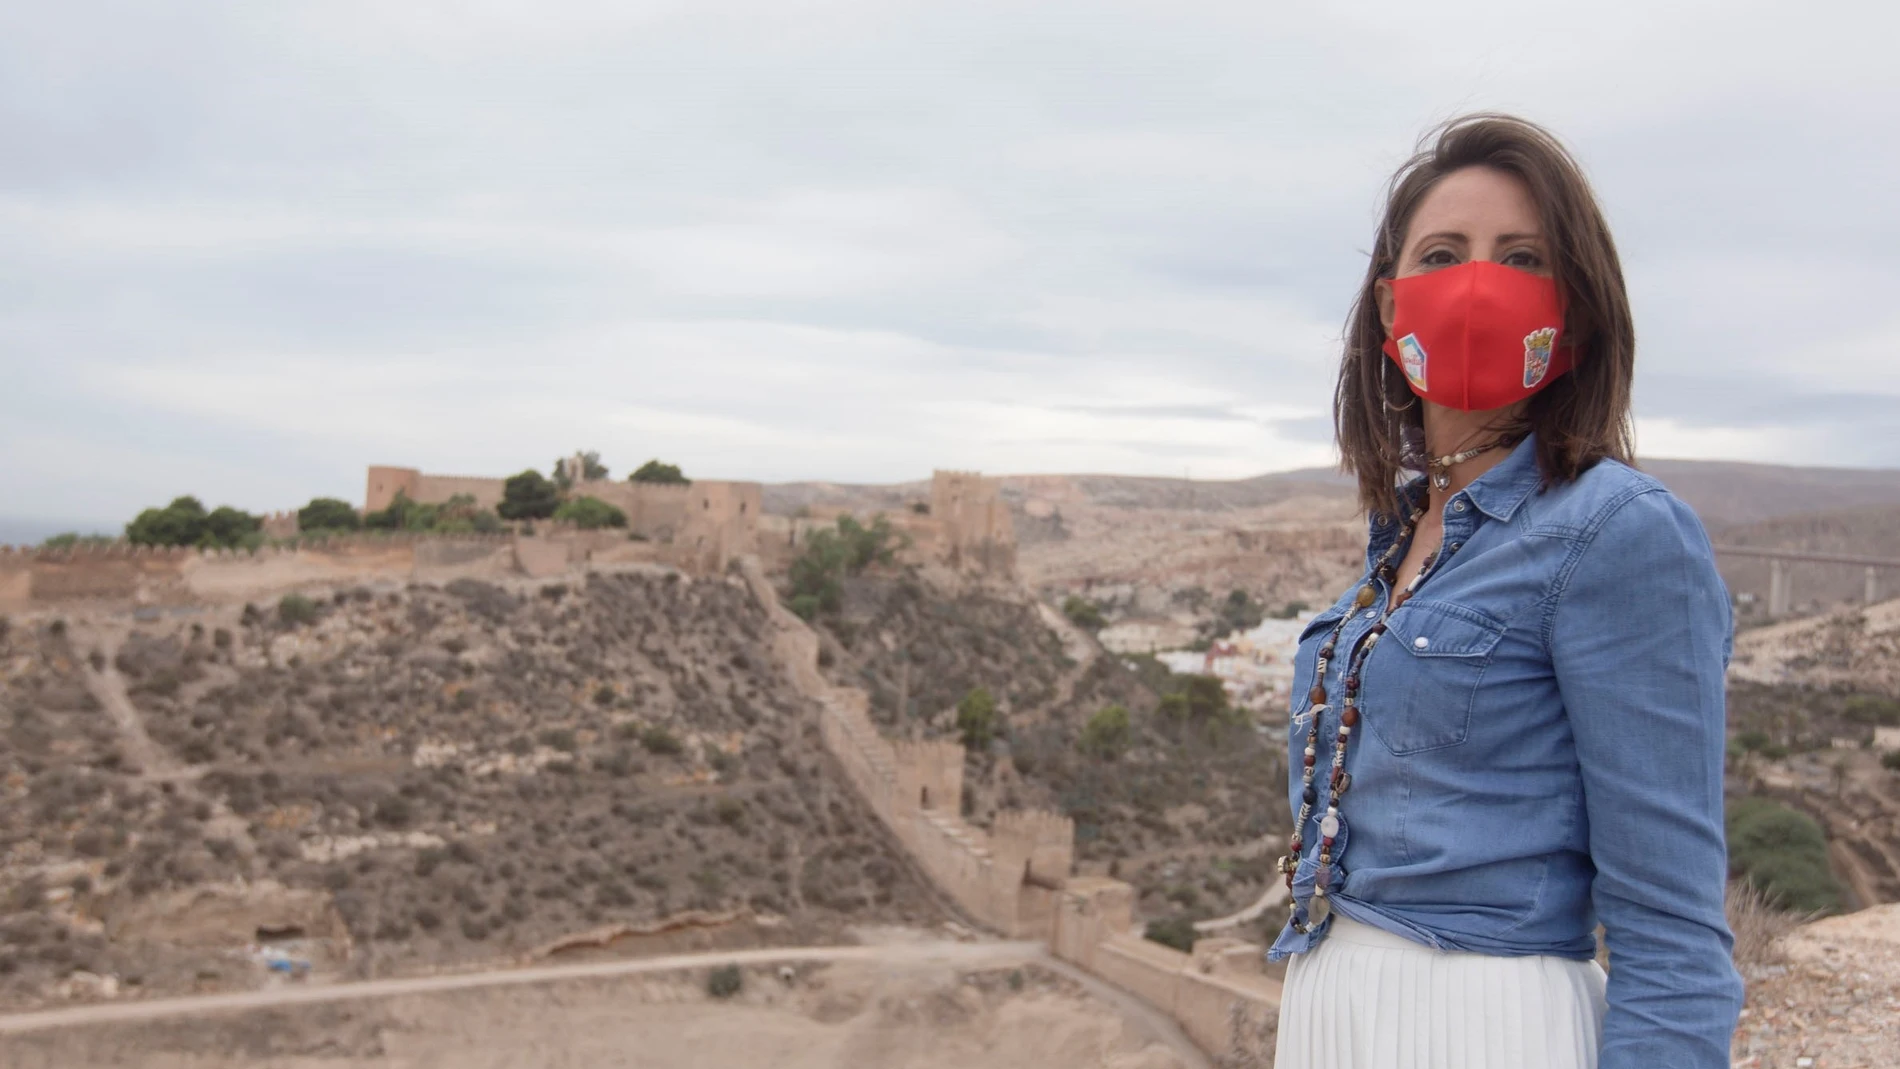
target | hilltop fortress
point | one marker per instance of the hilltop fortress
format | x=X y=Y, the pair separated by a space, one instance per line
x=699 y=527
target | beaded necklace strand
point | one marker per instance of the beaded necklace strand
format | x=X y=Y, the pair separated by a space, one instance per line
x=1339 y=781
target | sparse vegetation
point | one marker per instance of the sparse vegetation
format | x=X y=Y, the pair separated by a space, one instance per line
x=295 y=610
x=1083 y=613
x=1107 y=734
x=1782 y=852
x=71 y=539
x=590 y=513
x=1176 y=931
x=653 y=471
x=725 y=982
x=977 y=719
x=528 y=495
x=458 y=515
x=591 y=468
x=185 y=522
x=589 y=817
x=327 y=514
x=830 y=556
x=661 y=742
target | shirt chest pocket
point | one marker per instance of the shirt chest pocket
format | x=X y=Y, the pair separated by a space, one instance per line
x=1419 y=685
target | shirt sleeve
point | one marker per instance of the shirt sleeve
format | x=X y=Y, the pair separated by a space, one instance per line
x=1640 y=636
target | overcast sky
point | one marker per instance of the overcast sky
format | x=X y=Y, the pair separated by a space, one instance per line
x=247 y=249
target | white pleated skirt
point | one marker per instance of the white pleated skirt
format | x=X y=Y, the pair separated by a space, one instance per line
x=1367 y=999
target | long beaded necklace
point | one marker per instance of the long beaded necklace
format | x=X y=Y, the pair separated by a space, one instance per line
x=1339 y=781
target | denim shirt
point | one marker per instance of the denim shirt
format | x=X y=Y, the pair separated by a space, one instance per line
x=1540 y=747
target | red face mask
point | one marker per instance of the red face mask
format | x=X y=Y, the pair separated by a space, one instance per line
x=1477 y=336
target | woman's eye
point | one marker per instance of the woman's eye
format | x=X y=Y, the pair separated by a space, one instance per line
x=1437 y=258
x=1523 y=258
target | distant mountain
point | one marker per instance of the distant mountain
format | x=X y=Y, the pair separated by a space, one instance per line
x=1726 y=493
x=28 y=531
x=1723 y=493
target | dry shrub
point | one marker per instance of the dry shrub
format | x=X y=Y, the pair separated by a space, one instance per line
x=1757 y=923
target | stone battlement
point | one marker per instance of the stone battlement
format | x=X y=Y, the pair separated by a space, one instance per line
x=1017 y=877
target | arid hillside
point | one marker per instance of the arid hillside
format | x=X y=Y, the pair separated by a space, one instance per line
x=1181 y=808
x=399 y=779
x=1150 y=549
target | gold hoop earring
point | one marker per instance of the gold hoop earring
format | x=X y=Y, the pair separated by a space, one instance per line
x=1385 y=389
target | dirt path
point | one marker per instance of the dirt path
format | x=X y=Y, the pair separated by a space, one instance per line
x=956 y=954
x=102 y=1013
x=108 y=686
x=155 y=763
x=1079 y=647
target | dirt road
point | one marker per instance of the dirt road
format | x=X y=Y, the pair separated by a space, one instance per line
x=936 y=953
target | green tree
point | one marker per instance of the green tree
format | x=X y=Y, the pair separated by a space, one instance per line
x=401 y=514
x=976 y=718
x=185 y=522
x=1107 y=733
x=1783 y=852
x=817 y=575
x=1240 y=613
x=1083 y=613
x=181 y=523
x=228 y=527
x=1198 y=698
x=529 y=496
x=327 y=514
x=655 y=472
x=590 y=513
x=69 y=539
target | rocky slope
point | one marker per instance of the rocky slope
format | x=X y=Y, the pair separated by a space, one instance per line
x=1184 y=812
x=1826 y=996
x=399 y=779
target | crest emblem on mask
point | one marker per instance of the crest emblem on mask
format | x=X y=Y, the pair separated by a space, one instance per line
x=1537 y=355
x=1412 y=356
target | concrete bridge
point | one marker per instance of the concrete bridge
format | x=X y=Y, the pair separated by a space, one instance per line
x=1780 y=592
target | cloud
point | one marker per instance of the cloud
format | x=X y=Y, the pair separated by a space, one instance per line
x=249 y=249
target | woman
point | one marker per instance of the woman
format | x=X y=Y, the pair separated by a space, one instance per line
x=1511 y=728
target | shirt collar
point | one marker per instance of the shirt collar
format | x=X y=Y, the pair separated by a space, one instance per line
x=1503 y=487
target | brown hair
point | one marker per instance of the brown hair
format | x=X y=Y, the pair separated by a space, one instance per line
x=1582 y=416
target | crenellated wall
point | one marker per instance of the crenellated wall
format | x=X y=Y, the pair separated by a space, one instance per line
x=977 y=531
x=710 y=521
x=1016 y=878
x=121 y=575
x=1006 y=877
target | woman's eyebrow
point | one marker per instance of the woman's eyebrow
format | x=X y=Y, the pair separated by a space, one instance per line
x=1451 y=234
x=1521 y=237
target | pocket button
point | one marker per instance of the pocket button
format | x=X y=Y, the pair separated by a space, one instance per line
x=1421 y=642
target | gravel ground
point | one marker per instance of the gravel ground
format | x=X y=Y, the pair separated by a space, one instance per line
x=1833 y=1002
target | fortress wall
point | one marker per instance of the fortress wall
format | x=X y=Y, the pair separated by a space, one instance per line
x=442 y=560
x=721 y=522
x=437 y=489
x=931 y=774
x=1217 y=994
x=16 y=581
x=1016 y=878
x=242 y=576
x=540 y=558
x=143 y=575
x=386 y=482
x=951 y=853
x=978 y=534
x=1223 y=1012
